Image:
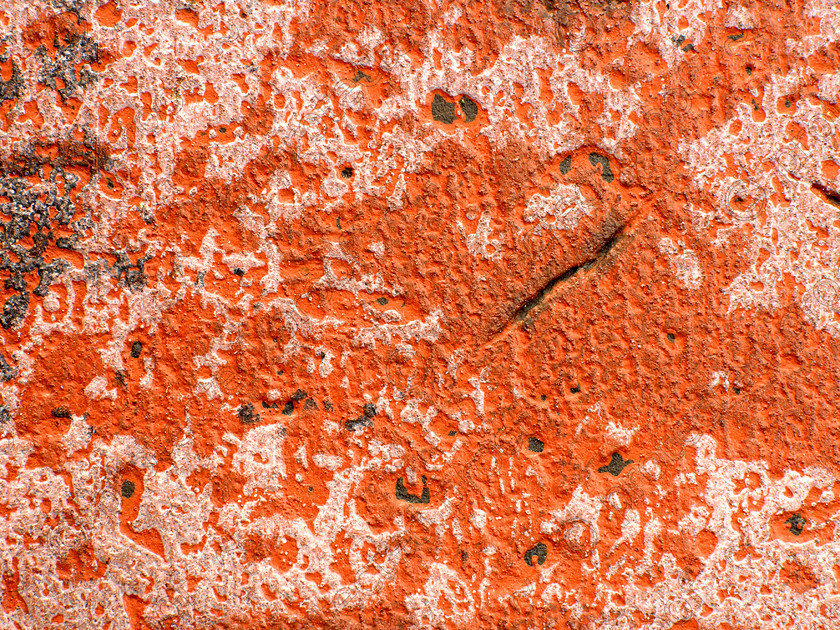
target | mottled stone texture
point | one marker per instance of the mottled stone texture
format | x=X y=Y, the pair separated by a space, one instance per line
x=419 y=314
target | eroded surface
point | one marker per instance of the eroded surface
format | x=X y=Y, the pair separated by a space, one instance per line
x=420 y=314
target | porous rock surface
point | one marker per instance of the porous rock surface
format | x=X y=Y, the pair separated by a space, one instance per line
x=419 y=314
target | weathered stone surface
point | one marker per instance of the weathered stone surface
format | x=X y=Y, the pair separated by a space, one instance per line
x=419 y=314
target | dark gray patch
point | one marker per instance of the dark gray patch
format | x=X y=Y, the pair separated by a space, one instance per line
x=60 y=412
x=539 y=550
x=566 y=164
x=616 y=465
x=575 y=389
x=77 y=51
x=299 y=395
x=347 y=172
x=796 y=524
x=269 y=406
x=127 y=489
x=136 y=349
x=443 y=110
x=310 y=404
x=535 y=445
x=237 y=271
x=606 y=171
x=369 y=410
x=13 y=88
x=14 y=310
x=246 y=414
x=288 y=408
x=7 y=372
x=405 y=495
x=453 y=433
x=328 y=405
x=361 y=421
x=469 y=107
x=671 y=337
x=382 y=301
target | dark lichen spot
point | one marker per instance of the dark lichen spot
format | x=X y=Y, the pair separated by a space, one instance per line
x=269 y=405
x=671 y=337
x=14 y=310
x=796 y=524
x=469 y=107
x=60 y=412
x=382 y=301
x=737 y=390
x=347 y=172
x=238 y=272
x=535 y=445
x=566 y=164
x=369 y=410
x=442 y=110
x=539 y=550
x=359 y=76
x=606 y=171
x=299 y=395
x=288 y=408
x=246 y=414
x=310 y=404
x=453 y=433
x=127 y=489
x=7 y=372
x=136 y=349
x=361 y=421
x=405 y=495
x=616 y=465
x=735 y=37
x=543 y=397
x=328 y=405
x=575 y=389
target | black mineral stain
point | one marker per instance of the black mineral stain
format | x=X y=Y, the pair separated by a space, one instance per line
x=299 y=395
x=535 y=445
x=404 y=495
x=443 y=110
x=60 y=412
x=539 y=550
x=606 y=171
x=453 y=433
x=671 y=337
x=136 y=349
x=361 y=421
x=796 y=524
x=543 y=397
x=566 y=164
x=382 y=301
x=246 y=414
x=616 y=465
x=127 y=489
x=237 y=271
x=347 y=172
x=575 y=389
x=310 y=404
x=369 y=410
x=288 y=408
x=469 y=107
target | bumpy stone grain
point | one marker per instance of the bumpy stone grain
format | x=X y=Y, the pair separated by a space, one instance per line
x=423 y=314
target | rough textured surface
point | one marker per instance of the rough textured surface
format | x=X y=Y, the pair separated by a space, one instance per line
x=419 y=314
